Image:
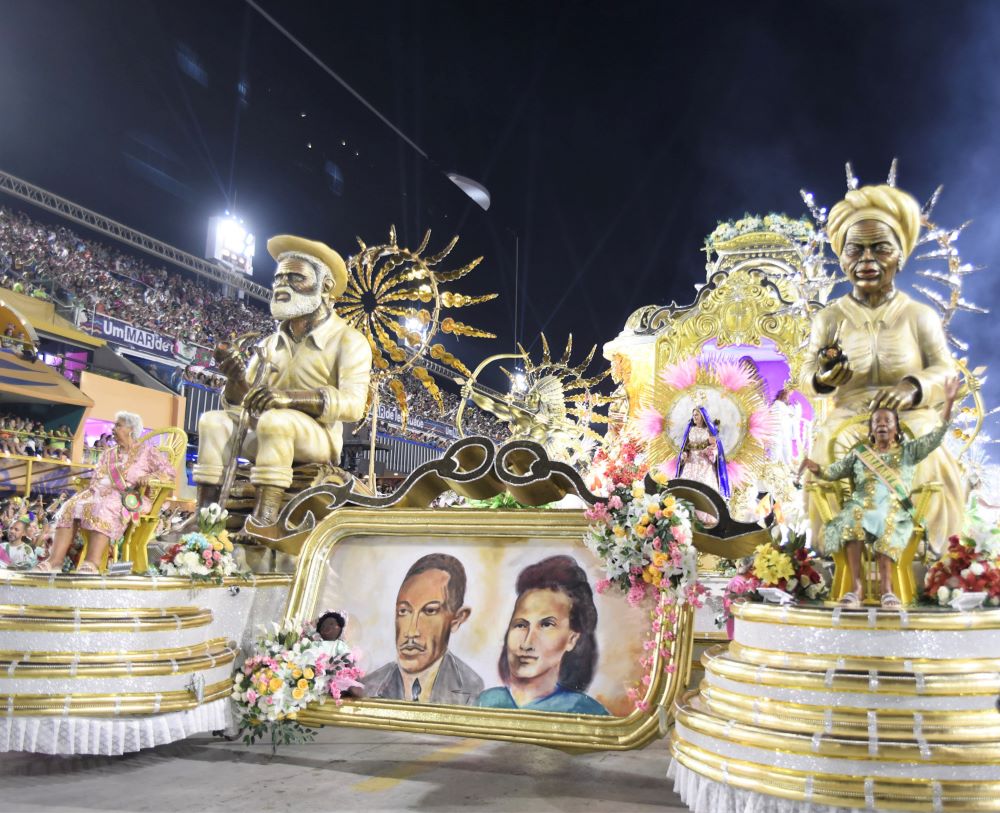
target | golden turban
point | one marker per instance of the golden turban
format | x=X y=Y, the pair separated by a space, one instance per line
x=886 y=204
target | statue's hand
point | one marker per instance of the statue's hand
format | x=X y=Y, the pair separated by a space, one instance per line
x=902 y=396
x=229 y=361
x=836 y=376
x=262 y=398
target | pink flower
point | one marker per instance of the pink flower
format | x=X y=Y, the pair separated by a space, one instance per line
x=669 y=668
x=636 y=594
x=252 y=696
x=732 y=375
x=615 y=502
x=679 y=534
x=680 y=376
x=657 y=544
x=646 y=680
x=763 y=425
x=598 y=511
x=650 y=424
x=642 y=705
x=602 y=586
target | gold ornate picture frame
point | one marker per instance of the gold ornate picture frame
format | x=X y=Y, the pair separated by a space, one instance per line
x=563 y=529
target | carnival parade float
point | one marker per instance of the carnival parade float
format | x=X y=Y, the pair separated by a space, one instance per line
x=755 y=539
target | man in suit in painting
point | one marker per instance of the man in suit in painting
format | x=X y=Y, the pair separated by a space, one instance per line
x=430 y=606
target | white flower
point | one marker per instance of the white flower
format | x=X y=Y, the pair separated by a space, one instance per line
x=976 y=569
x=943 y=594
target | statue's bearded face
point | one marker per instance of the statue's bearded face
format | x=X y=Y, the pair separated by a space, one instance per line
x=298 y=289
x=871 y=256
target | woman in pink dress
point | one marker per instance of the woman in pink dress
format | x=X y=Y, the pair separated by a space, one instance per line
x=120 y=477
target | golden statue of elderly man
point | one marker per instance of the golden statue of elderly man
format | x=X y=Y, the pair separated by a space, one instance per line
x=877 y=347
x=317 y=377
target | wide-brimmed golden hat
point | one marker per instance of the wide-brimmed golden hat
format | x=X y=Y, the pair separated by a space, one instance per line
x=282 y=243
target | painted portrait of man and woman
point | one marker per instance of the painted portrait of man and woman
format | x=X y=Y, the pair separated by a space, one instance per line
x=485 y=625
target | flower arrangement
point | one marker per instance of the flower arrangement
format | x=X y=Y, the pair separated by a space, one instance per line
x=786 y=563
x=967 y=566
x=796 y=229
x=203 y=554
x=291 y=667
x=617 y=468
x=645 y=542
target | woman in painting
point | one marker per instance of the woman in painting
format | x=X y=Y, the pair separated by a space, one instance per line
x=550 y=649
x=702 y=457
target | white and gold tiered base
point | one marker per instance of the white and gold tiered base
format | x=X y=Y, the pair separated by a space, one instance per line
x=838 y=710
x=95 y=665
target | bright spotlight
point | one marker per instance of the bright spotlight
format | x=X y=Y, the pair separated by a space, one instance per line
x=519 y=383
x=231 y=242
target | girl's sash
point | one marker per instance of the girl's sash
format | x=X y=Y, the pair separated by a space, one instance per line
x=888 y=476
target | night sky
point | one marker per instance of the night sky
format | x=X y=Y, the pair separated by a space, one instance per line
x=612 y=136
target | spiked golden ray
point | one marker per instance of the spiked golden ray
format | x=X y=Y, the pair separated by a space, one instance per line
x=546 y=352
x=423 y=243
x=569 y=350
x=436 y=258
x=398 y=390
x=453 y=300
x=449 y=325
x=439 y=353
x=394 y=297
x=454 y=276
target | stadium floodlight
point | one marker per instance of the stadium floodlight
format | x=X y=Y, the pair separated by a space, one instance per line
x=231 y=242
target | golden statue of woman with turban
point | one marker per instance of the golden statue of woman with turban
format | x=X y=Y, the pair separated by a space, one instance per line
x=877 y=347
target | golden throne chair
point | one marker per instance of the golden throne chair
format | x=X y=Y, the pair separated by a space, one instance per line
x=172 y=442
x=826 y=499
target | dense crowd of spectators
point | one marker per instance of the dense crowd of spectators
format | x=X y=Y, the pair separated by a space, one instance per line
x=421 y=403
x=26 y=530
x=195 y=374
x=41 y=260
x=23 y=436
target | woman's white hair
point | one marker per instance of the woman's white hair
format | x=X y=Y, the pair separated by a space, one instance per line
x=132 y=421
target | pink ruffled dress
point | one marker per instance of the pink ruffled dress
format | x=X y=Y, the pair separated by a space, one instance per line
x=99 y=506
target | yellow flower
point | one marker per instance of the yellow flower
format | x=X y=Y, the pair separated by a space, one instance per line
x=660 y=559
x=619 y=530
x=652 y=508
x=638 y=492
x=275 y=684
x=296 y=673
x=651 y=575
x=303 y=684
x=217 y=546
x=309 y=673
x=298 y=693
x=668 y=503
x=771 y=565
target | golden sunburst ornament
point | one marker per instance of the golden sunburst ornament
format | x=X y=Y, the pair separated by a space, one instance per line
x=552 y=403
x=395 y=297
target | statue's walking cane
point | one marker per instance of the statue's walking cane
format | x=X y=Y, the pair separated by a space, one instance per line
x=264 y=366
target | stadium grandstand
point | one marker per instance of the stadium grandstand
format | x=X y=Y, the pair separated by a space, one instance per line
x=104 y=312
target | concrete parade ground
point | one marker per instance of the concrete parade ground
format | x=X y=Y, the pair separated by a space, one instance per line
x=343 y=769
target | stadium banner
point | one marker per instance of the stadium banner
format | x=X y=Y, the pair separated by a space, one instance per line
x=129 y=336
x=391 y=415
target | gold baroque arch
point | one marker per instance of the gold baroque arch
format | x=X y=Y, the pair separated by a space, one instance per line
x=742 y=306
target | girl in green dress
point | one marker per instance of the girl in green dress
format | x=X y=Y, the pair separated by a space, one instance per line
x=879 y=510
